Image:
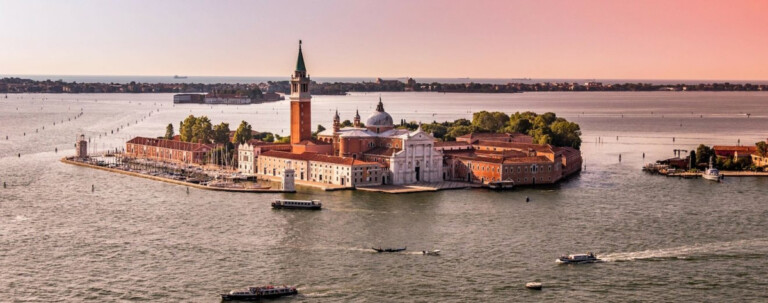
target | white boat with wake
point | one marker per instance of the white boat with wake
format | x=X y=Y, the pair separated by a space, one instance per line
x=578 y=259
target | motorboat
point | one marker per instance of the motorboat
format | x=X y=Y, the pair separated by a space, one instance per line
x=297 y=204
x=435 y=252
x=259 y=292
x=578 y=259
x=389 y=250
x=711 y=173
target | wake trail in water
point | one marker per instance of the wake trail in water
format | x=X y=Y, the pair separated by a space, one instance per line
x=733 y=248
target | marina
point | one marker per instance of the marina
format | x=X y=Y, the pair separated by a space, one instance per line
x=194 y=183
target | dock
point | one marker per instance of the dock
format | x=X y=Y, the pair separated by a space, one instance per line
x=172 y=181
x=318 y=185
x=664 y=170
x=415 y=188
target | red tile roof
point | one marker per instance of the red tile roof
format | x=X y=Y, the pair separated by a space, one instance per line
x=382 y=151
x=450 y=143
x=171 y=144
x=516 y=145
x=741 y=149
x=317 y=158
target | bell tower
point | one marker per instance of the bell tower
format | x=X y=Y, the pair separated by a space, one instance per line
x=301 y=110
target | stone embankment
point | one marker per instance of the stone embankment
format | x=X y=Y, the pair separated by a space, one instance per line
x=172 y=181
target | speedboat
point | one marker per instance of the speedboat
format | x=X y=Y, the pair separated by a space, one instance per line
x=381 y=250
x=297 y=204
x=578 y=259
x=435 y=252
x=259 y=292
x=711 y=173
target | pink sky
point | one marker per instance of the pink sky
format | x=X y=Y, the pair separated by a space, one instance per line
x=494 y=39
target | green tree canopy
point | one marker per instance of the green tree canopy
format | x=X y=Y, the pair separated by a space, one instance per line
x=243 y=133
x=169 y=131
x=489 y=121
x=565 y=133
x=437 y=130
x=221 y=133
x=703 y=153
x=194 y=129
x=762 y=148
x=458 y=131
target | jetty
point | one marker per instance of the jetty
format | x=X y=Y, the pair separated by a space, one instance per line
x=124 y=171
x=665 y=170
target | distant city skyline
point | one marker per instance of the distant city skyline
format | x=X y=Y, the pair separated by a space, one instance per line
x=707 y=40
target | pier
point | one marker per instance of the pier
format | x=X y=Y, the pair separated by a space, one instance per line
x=74 y=161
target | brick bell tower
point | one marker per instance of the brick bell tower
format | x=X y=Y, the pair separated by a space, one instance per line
x=301 y=110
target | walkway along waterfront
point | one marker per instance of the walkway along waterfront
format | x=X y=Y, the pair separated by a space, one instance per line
x=73 y=161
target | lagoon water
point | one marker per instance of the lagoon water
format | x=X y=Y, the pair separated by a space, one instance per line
x=134 y=239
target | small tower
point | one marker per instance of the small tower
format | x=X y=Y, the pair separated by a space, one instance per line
x=288 y=178
x=357 y=118
x=81 y=148
x=336 y=122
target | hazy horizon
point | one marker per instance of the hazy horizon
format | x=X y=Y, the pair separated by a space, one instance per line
x=231 y=79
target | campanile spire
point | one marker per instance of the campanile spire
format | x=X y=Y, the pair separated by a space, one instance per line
x=301 y=110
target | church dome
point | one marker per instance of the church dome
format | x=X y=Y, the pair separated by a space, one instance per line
x=379 y=117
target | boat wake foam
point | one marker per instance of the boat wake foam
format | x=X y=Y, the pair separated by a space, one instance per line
x=716 y=249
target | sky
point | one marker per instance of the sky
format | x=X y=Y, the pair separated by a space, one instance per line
x=650 y=39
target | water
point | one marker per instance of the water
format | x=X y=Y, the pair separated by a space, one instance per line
x=137 y=240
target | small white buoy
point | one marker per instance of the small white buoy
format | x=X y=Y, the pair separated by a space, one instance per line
x=533 y=285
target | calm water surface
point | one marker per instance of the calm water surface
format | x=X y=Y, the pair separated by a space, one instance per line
x=138 y=240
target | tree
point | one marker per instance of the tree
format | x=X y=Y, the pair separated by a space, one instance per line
x=346 y=123
x=565 y=133
x=490 y=122
x=243 y=133
x=286 y=139
x=541 y=136
x=462 y=122
x=221 y=133
x=692 y=160
x=762 y=148
x=520 y=126
x=549 y=117
x=320 y=128
x=169 y=131
x=703 y=153
x=458 y=131
x=186 y=128
x=437 y=130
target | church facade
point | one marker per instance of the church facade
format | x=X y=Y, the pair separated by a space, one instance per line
x=406 y=156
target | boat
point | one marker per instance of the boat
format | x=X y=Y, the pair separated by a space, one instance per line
x=389 y=250
x=297 y=204
x=711 y=173
x=179 y=77
x=259 y=292
x=533 y=285
x=578 y=259
x=435 y=252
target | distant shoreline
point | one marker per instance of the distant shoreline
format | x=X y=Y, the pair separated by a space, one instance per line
x=20 y=85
